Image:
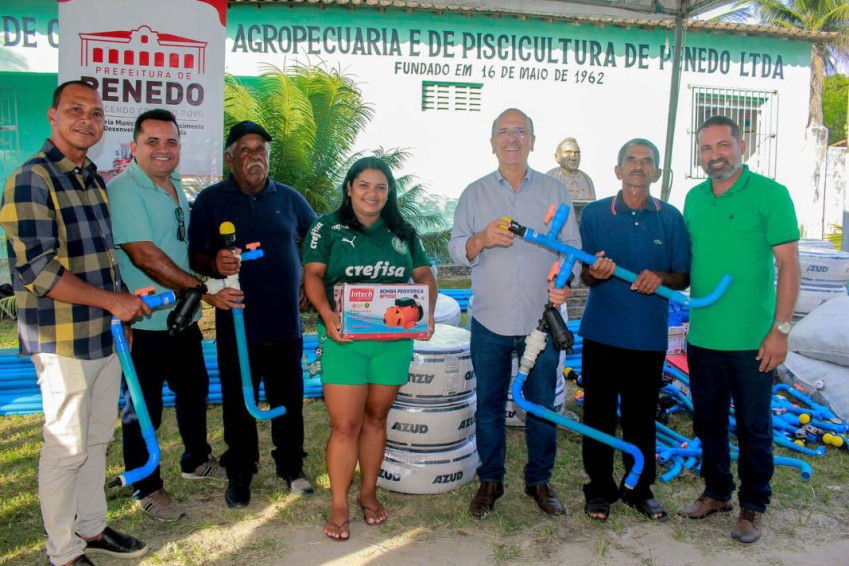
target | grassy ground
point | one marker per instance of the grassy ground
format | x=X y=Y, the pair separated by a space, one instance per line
x=802 y=513
x=806 y=512
x=8 y=333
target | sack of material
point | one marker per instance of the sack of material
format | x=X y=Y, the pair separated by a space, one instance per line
x=824 y=333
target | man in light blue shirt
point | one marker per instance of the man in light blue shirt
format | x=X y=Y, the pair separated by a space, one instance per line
x=150 y=224
x=509 y=283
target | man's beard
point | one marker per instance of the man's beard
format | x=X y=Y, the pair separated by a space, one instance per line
x=726 y=173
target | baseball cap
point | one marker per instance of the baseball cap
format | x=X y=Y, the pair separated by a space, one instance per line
x=238 y=131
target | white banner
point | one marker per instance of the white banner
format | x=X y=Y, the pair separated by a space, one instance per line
x=145 y=54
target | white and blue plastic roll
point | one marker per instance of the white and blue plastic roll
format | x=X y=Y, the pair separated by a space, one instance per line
x=441 y=368
x=431 y=426
x=428 y=472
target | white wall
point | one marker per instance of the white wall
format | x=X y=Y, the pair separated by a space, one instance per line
x=451 y=149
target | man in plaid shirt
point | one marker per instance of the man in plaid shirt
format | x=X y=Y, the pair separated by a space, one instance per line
x=68 y=287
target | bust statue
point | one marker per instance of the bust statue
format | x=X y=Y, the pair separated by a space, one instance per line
x=568 y=157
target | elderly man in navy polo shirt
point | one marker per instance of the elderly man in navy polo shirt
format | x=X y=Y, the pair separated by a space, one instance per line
x=625 y=324
x=278 y=217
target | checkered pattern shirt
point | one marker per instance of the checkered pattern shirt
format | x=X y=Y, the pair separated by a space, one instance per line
x=56 y=218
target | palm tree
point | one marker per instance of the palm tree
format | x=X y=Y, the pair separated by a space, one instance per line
x=314 y=115
x=826 y=16
x=430 y=226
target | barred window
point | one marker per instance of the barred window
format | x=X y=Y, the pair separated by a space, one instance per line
x=460 y=97
x=10 y=142
x=755 y=111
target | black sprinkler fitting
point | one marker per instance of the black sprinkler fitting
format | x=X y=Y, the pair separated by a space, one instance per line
x=183 y=314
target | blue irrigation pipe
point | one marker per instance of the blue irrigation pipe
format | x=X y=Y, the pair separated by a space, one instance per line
x=804 y=467
x=132 y=379
x=679 y=397
x=785 y=442
x=779 y=439
x=666 y=440
x=245 y=365
x=817 y=410
x=676 y=373
x=667 y=455
x=535 y=342
x=228 y=232
x=674 y=471
x=543 y=413
x=677 y=463
x=674 y=434
x=573 y=254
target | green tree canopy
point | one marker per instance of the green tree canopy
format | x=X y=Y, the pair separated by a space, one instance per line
x=829 y=16
x=835 y=97
x=314 y=116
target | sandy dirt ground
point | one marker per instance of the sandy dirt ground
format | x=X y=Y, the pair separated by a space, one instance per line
x=646 y=544
x=817 y=539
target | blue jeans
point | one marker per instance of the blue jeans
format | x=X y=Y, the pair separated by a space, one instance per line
x=491 y=358
x=717 y=377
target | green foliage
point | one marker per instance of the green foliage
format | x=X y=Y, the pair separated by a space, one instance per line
x=428 y=223
x=314 y=115
x=829 y=16
x=9 y=307
x=835 y=236
x=835 y=97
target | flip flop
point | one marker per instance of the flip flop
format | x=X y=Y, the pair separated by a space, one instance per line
x=340 y=529
x=597 y=506
x=649 y=508
x=369 y=512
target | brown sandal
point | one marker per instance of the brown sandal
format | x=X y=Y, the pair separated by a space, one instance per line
x=340 y=529
x=369 y=513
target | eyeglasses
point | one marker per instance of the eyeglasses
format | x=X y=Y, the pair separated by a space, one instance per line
x=520 y=133
x=181 y=223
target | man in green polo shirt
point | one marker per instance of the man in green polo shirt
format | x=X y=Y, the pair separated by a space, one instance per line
x=738 y=222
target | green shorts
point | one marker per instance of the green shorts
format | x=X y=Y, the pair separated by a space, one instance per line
x=364 y=361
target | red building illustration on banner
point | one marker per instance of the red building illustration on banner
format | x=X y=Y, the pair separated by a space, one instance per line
x=143 y=48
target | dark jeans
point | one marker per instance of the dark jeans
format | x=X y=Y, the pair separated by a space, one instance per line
x=716 y=378
x=629 y=379
x=159 y=358
x=491 y=358
x=278 y=366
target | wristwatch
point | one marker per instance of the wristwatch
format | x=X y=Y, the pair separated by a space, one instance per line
x=783 y=327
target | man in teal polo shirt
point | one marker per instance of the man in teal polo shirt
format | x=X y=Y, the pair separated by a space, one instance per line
x=150 y=224
x=738 y=222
